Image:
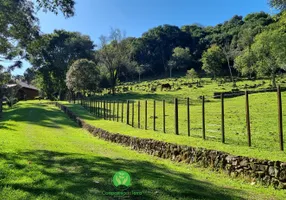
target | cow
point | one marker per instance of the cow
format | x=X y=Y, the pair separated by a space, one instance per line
x=166 y=86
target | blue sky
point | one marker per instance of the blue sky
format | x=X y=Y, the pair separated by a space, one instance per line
x=96 y=17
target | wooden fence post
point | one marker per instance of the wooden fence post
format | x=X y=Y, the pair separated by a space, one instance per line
x=154 y=116
x=101 y=108
x=138 y=114
x=164 y=117
x=107 y=110
x=132 y=114
x=113 y=113
x=222 y=118
x=117 y=111
x=110 y=110
x=122 y=111
x=146 y=107
x=127 y=113
x=176 y=117
x=247 y=118
x=104 y=112
x=95 y=107
x=188 y=116
x=203 y=118
x=280 y=119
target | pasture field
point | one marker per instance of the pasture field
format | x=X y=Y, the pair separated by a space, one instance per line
x=263 y=117
x=44 y=155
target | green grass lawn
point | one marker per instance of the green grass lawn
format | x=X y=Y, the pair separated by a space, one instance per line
x=263 y=117
x=44 y=155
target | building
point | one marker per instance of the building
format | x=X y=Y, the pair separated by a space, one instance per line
x=25 y=91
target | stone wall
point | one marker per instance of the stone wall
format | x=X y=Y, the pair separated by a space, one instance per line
x=257 y=171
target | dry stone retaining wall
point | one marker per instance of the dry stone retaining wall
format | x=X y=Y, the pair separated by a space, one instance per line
x=263 y=171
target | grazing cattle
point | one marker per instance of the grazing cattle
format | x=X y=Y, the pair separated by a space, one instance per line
x=166 y=86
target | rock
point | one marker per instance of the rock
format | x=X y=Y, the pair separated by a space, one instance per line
x=282 y=175
x=275 y=182
x=266 y=180
x=283 y=165
x=244 y=163
x=262 y=167
x=276 y=172
x=282 y=185
x=271 y=171
x=260 y=174
x=277 y=164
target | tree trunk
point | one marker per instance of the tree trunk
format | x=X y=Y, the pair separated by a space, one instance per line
x=273 y=79
x=229 y=67
x=170 y=72
x=139 y=77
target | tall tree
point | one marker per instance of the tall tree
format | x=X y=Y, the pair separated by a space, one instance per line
x=229 y=52
x=159 y=43
x=114 y=54
x=212 y=60
x=270 y=49
x=83 y=75
x=19 y=24
x=181 y=58
x=53 y=54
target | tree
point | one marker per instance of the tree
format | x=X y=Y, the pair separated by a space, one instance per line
x=140 y=69
x=159 y=43
x=181 y=58
x=114 y=55
x=19 y=25
x=278 y=4
x=83 y=75
x=229 y=52
x=270 y=50
x=53 y=54
x=212 y=60
x=244 y=63
x=29 y=75
x=11 y=94
x=192 y=74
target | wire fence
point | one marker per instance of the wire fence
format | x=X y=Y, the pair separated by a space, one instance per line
x=227 y=121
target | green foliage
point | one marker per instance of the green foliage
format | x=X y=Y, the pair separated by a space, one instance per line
x=19 y=24
x=267 y=55
x=115 y=54
x=244 y=63
x=278 y=4
x=270 y=49
x=53 y=54
x=83 y=75
x=212 y=60
x=181 y=58
x=192 y=74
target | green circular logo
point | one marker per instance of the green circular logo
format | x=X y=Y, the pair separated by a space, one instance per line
x=121 y=178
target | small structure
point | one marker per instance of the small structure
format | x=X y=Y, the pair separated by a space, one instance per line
x=25 y=92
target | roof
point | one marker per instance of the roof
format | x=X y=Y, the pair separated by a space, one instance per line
x=21 y=84
x=26 y=85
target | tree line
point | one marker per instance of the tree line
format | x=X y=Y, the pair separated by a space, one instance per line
x=63 y=61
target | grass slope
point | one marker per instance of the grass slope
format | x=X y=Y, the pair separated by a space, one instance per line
x=44 y=155
x=263 y=117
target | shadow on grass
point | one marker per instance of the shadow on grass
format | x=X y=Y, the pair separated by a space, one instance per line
x=35 y=114
x=70 y=176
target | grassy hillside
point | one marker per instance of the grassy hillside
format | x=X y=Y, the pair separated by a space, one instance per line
x=44 y=155
x=263 y=117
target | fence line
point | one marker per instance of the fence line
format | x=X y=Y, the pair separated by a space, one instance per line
x=110 y=110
